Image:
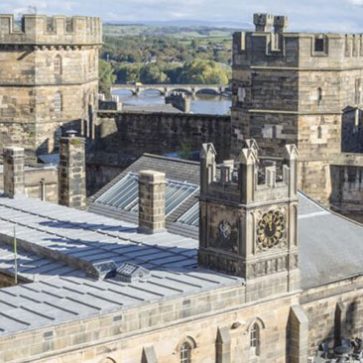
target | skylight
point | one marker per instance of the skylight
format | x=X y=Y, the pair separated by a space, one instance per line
x=124 y=194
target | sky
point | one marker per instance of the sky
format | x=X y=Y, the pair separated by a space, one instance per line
x=309 y=15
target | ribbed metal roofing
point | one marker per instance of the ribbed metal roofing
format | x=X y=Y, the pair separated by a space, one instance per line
x=58 y=246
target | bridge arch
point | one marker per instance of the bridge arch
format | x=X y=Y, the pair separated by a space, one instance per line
x=208 y=91
x=153 y=89
x=130 y=91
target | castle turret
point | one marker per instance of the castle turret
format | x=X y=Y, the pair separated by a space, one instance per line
x=48 y=78
x=296 y=88
x=248 y=222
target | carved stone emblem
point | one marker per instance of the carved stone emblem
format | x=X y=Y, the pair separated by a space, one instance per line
x=224 y=230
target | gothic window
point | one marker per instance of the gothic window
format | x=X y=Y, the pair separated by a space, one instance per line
x=186 y=353
x=58 y=102
x=320 y=132
x=255 y=339
x=319 y=45
x=58 y=65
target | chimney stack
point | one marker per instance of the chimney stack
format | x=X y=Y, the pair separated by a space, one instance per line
x=151 y=201
x=13 y=171
x=72 y=171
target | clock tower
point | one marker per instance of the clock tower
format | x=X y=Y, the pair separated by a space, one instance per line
x=248 y=220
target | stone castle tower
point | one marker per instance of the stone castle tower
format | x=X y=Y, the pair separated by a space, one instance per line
x=248 y=226
x=295 y=88
x=48 y=78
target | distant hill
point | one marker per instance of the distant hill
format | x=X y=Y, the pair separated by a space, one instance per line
x=188 y=23
x=180 y=29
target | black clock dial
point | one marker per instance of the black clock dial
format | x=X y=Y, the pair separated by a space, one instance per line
x=270 y=229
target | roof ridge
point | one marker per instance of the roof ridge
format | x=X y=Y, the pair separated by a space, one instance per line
x=163 y=157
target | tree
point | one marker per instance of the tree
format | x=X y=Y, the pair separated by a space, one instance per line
x=107 y=77
x=128 y=73
x=204 y=72
x=151 y=73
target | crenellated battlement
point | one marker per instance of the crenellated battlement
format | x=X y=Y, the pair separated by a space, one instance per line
x=56 y=30
x=271 y=45
x=245 y=180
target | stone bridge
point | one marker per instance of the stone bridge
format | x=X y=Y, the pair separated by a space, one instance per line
x=167 y=89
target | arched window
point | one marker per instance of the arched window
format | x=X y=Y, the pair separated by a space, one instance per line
x=320 y=132
x=58 y=102
x=186 y=353
x=255 y=339
x=58 y=66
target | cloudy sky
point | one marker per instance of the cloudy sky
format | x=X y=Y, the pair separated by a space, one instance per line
x=317 y=15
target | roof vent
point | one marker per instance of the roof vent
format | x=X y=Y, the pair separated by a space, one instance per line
x=129 y=272
x=104 y=269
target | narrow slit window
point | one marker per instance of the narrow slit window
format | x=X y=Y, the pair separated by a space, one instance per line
x=58 y=102
x=255 y=339
x=58 y=65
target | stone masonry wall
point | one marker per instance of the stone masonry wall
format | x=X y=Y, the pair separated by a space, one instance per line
x=163 y=326
x=122 y=137
x=41 y=183
x=320 y=306
x=136 y=133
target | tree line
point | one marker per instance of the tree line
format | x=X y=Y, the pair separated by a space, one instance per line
x=164 y=59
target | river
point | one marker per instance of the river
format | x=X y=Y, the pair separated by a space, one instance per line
x=208 y=104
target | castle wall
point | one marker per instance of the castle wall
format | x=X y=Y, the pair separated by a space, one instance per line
x=121 y=137
x=163 y=326
x=347 y=188
x=320 y=306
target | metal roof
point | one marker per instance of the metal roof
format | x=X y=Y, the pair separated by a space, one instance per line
x=58 y=246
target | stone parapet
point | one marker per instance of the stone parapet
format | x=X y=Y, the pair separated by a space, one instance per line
x=43 y=30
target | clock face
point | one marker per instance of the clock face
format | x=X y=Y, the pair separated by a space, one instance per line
x=270 y=229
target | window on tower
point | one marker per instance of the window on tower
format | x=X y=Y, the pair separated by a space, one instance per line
x=58 y=102
x=255 y=339
x=319 y=45
x=58 y=65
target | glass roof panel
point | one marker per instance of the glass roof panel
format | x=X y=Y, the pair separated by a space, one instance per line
x=125 y=194
x=191 y=216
